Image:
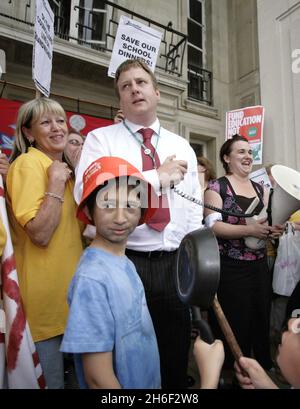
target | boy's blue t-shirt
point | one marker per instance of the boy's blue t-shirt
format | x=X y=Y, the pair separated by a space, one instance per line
x=108 y=313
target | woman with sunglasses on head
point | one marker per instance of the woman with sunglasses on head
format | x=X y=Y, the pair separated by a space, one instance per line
x=45 y=232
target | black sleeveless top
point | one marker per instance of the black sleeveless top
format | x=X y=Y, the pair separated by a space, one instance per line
x=236 y=248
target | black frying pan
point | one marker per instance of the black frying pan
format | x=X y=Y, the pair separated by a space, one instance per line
x=197 y=281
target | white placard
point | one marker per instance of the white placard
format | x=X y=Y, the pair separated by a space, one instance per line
x=2 y=63
x=134 y=40
x=43 y=46
x=261 y=176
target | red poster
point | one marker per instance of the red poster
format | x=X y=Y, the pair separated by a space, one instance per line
x=8 y=116
x=249 y=123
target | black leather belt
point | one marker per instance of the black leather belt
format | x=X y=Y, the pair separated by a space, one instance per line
x=150 y=254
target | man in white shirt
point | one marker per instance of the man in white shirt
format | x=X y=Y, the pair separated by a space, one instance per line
x=153 y=249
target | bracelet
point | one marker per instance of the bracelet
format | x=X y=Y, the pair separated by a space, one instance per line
x=61 y=199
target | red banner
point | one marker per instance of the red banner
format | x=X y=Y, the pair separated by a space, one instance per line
x=8 y=115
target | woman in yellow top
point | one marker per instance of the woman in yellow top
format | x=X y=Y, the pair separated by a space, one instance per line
x=45 y=232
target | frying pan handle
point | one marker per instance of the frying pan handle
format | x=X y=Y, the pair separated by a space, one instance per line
x=202 y=326
x=227 y=331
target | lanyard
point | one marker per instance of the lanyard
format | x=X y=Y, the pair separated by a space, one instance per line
x=147 y=151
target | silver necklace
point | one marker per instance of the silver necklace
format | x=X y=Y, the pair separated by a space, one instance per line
x=147 y=151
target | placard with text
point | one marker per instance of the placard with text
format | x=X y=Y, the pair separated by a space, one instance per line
x=134 y=40
x=248 y=122
x=43 y=46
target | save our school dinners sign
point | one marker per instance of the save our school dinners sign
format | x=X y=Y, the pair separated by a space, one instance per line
x=249 y=123
x=134 y=40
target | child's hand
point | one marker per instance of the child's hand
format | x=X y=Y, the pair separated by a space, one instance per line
x=256 y=377
x=209 y=359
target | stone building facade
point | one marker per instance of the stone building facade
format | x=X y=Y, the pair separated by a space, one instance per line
x=218 y=55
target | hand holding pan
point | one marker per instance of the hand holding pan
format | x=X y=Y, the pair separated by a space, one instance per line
x=197 y=278
x=202 y=326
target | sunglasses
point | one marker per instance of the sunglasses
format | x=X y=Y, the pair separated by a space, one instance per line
x=75 y=142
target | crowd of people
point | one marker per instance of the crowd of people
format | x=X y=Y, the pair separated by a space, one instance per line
x=114 y=305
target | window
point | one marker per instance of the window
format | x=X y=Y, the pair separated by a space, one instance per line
x=91 y=21
x=88 y=27
x=61 y=10
x=196 y=57
x=200 y=148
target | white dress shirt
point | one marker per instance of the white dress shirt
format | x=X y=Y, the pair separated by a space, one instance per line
x=116 y=140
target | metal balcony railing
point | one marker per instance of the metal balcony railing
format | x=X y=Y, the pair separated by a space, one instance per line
x=173 y=42
x=20 y=15
x=96 y=29
x=200 y=84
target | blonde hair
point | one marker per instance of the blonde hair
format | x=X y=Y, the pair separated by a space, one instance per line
x=28 y=113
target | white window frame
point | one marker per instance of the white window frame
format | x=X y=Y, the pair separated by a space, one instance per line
x=74 y=31
x=202 y=26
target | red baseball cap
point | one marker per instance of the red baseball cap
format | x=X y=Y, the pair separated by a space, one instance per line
x=107 y=168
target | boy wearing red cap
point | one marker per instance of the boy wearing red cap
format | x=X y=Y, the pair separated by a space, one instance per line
x=109 y=328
